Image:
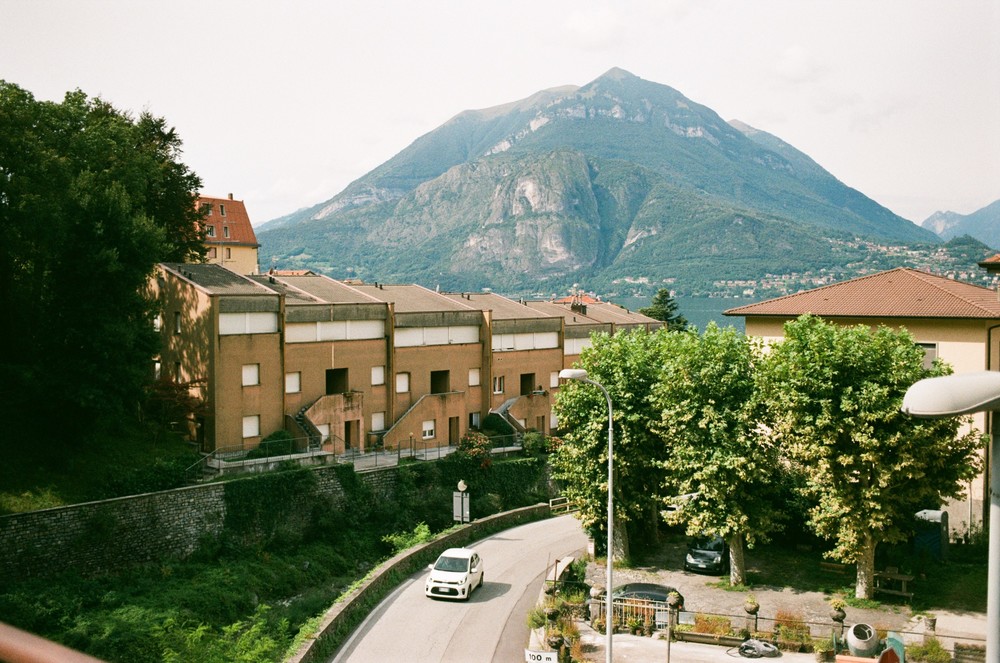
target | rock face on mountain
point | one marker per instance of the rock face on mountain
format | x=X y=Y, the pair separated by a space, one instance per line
x=619 y=179
x=983 y=224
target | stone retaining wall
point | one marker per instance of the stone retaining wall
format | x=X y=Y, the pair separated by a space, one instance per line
x=100 y=536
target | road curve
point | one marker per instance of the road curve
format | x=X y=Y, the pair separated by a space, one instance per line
x=408 y=627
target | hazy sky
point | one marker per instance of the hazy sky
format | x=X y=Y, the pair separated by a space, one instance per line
x=285 y=103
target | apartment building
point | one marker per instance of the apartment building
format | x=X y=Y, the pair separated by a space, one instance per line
x=354 y=366
x=229 y=237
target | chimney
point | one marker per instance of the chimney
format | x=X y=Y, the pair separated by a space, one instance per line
x=230 y=196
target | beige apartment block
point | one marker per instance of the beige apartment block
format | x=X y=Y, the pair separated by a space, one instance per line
x=221 y=332
x=525 y=357
x=348 y=366
x=954 y=321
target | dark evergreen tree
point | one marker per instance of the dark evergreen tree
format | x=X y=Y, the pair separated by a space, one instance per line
x=90 y=200
x=664 y=307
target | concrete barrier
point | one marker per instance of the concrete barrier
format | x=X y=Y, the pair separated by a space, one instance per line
x=344 y=616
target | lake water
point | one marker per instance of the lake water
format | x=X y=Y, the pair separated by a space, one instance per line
x=699 y=311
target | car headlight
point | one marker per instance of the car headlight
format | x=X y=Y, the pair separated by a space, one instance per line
x=689 y=559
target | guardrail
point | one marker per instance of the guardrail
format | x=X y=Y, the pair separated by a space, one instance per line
x=561 y=505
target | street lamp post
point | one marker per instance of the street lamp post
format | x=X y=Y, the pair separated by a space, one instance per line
x=581 y=375
x=965 y=393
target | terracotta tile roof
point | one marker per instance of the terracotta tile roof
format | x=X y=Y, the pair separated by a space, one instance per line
x=896 y=293
x=235 y=218
x=991 y=264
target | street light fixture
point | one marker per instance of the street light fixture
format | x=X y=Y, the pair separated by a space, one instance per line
x=581 y=376
x=965 y=393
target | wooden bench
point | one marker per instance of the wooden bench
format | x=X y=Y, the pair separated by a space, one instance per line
x=835 y=567
x=894 y=578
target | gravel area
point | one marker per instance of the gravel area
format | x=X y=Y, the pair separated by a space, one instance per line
x=666 y=568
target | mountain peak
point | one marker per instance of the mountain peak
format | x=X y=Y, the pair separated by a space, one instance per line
x=617 y=73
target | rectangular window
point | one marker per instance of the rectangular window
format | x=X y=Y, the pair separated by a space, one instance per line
x=222 y=210
x=211 y=253
x=428 y=429
x=251 y=426
x=402 y=383
x=157 y=322
x=225 y=231
x=498 y=384
x=473 y=377
x=378 y=375
x=251 y=375
x=211 y=231
x=473 y=420
x=378 y=420
x=293 y=382
x=930 y=354
x=229 y=253
x=177 y=322
x=157 y=369
x=554 y=379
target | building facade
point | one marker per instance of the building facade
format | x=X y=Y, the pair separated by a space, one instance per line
x=954 y=321
x=229 y=237
x=349 y=366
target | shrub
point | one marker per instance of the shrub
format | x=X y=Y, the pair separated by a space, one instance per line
x=714 y=624
x=792 y=631
x=533 y=444
x=536 y=617
x=930 y=651
x=401 y=541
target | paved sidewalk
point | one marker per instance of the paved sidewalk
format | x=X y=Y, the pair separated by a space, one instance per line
x=642 y=649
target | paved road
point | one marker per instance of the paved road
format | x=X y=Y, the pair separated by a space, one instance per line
x=409 y=627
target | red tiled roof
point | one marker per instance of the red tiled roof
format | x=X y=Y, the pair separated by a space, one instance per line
x=896 y=293
x=235 y=218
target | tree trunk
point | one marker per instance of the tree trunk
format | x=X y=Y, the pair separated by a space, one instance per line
x=865 y=588
x=737 y=564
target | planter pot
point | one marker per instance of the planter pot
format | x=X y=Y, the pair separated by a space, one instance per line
x=709 y=638
x=838 y=615
x=751 y=608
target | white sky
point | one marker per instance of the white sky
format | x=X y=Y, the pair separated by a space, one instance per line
x=285 y=103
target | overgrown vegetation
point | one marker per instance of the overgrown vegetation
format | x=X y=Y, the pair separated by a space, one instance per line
x=246 y=595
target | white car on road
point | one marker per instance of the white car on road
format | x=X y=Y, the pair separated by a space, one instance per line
x=455 y=574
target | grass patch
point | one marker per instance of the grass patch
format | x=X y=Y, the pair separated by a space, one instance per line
x=60 y=472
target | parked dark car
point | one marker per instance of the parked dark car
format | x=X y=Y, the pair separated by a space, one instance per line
x=646 y=590
x=707 y=554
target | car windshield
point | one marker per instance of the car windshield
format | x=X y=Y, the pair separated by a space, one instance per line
x=713 y=544
x=454 y=564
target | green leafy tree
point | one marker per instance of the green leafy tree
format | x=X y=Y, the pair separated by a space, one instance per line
x=664 y=307
x=834 y=395
x=90 y=200
x=627 y=365
x=717 y=456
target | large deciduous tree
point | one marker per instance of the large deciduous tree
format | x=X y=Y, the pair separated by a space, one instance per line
x=627 y=365
x=834 y=395
x=90 y=200
x=718 y=458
